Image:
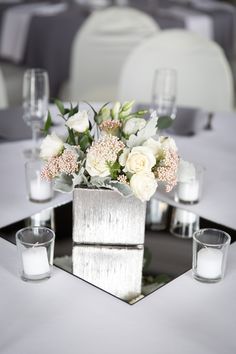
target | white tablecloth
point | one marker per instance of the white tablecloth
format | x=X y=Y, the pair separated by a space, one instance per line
x=67 y=315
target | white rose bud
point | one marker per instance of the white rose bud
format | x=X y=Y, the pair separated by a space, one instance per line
x=153 y=145
x=133 y=125
x=123 y=157
x=127 y=106
x=140 y=159
x=143 y=185
x=115 y=110
x=51 y=146
x=79 y=122
x=105 y=114
x=167 y=143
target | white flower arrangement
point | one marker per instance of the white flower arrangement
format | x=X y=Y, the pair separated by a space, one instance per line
x=120 y=150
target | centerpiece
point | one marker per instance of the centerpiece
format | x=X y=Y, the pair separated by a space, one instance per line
x=113 y=160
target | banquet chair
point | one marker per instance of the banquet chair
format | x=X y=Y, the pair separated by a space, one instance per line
x=13 y=77
x=100 y=49
x=204 y=78
x=3 y=92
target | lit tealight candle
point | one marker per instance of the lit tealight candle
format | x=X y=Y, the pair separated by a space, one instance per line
x=35 y=261
x=188 y=191
x=40 y=190
x=209 y=263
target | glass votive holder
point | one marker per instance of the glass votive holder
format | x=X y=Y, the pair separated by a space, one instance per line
x=210 y=248
x=156 y=214
x=35 y=247
x=39 y=190
x=183 y=223
x=43 y=218
x=189 y=188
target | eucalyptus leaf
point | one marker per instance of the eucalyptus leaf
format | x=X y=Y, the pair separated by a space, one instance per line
x=79 y=179
x=100 y=182
x=121 y=188
x=63 y=183
x=164 y=122
x=147 y=132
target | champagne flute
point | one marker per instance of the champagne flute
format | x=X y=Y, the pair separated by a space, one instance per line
x=35 y=104
x=164 y=93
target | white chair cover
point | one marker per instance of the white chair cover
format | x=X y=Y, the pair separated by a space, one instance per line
x=3 y=92
x=100 y=49
x=204 y=76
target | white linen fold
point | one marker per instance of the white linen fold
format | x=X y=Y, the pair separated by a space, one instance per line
x=15 y=27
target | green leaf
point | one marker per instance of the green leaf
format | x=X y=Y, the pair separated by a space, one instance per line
x=71 y=138
x=84 y=142
x=164 y=122
x=73 y=111
x=105 y=104
x=47 y=124
x=91 y=107
x=60 y=106
x=114 y=169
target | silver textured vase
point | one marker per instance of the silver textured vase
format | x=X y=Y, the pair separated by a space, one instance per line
x=103 y=216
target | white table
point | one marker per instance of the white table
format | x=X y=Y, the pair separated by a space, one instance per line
x=67 y=315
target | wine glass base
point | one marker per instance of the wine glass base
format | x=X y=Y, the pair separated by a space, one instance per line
x=31 y=153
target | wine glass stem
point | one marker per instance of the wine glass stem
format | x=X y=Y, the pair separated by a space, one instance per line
x=35 y=136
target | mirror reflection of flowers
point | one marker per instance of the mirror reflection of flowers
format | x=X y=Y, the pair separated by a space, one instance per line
x=114 y=148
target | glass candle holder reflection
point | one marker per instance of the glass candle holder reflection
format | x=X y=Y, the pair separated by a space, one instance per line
x=183 y=223
x=190 y=179
x=210 y=249
x=156 y=214
x=43 y=218
x=35 y=247
x=39 y=190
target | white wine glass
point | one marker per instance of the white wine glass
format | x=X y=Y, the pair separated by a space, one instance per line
x=35 y=104
x=164 y=91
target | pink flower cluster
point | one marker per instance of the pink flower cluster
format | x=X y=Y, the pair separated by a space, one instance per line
x=110 y=126
x=167 y=171
x=107 y=148
x=65 y=163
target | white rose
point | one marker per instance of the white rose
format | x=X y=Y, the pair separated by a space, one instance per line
x=167 y=143
x=133 y=125
x=140 y=159
x=79 y=122
x=51 y=146
x=123 y=157
x=96 y=166
x=143 y=185
x=154 y=145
